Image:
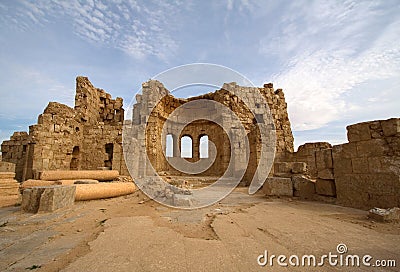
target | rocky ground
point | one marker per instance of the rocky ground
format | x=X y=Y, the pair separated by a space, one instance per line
x=133 y=233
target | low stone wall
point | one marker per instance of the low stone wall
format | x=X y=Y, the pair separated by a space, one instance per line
x=363 y=173
x=367 y=169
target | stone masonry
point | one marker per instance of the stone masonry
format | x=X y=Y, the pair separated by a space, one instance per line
x=85 y=137
x=362 y=173
x=367 y=169
x=9 y=187
x=155 y=105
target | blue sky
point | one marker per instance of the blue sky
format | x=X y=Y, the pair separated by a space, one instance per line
x=337 y=61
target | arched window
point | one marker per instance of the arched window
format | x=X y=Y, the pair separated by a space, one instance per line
x=169 y=146
x=74 y=164
x=186 y=147
x=203 y=147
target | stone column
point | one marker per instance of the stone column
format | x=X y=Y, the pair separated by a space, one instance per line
x=175 y=142
x=195 y=148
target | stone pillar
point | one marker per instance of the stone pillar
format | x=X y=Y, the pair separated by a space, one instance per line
x=176 y=150
x=195 y=148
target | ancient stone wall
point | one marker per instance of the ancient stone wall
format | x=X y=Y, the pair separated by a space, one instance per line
x=363 y=173
x=16 y=151
x=93 y=105
x=367 y=169
x=156 y=104
x=86 y=137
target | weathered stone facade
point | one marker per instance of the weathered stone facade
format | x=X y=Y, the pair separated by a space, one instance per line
x=367 y=169
x=362 y=173
x=86 y=137
x=155 y=105
x=9 y=187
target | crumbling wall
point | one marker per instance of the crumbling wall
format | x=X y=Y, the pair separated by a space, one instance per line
x=88 y=136
x=54 y=138
x=94 y=105
x=155 y=95
x=367 y=169
x=16 y=151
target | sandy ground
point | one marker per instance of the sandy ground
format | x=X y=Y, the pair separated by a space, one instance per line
x=133 y=233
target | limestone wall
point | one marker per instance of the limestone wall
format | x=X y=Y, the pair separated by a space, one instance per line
x=94 y=105
x=16 y=151
x=87 y=137
x=363 y=173
x=156 y=104
x=367 y=169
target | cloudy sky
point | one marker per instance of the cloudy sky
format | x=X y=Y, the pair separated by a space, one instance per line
x=337 y=61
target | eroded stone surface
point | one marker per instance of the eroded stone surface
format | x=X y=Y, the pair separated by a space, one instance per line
x=85 y=137
x=276 y=186
x=367 y=169
x=47 y=198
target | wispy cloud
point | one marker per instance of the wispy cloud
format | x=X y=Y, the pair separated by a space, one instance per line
x=328 y=48
x=29 y=92
x=139 y=28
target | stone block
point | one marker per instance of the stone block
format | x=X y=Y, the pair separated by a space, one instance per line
x=358 y=132
x=346 y=151
x=366 y=191
x=325 y=187
x=386 y=165
x=342 y=166
x=31 y=199
x=375 y=129
x=323 y=159
x=303 y=187
x=308 y=149
x=391 y=127
x=283 y=167
x=276 y=186
x=325 y=174
x=9 y=187
x=394 y=145
x=7 y=166
x=360 y=165
x=374 y=147
x=7 y=175
x=385 y=215
x=299 y=168
x=47 y=198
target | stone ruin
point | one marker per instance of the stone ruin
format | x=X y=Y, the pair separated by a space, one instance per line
x=9 y=187
x=363 y=173
x=151 y=122
x=86 y=137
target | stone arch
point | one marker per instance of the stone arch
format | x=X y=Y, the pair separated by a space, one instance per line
x=186 y=145
x=203 y=146
x=109 y=149
x=169 y=145
x=75 y=161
